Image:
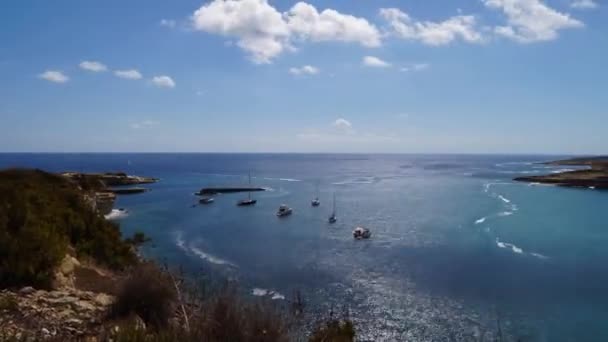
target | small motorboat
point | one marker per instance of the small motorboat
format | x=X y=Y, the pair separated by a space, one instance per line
x=284 y=211
x=361 y=233
x=206 y=200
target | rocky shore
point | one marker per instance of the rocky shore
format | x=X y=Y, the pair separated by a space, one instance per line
x=101 y=188
x=595 y=177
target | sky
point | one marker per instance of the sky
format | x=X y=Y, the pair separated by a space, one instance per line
x=369 y=76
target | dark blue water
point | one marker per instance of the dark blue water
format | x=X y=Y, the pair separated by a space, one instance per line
x=459 y=251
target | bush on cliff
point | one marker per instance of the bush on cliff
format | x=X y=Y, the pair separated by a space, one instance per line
x=41 y=214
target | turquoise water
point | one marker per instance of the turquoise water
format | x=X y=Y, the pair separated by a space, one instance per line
x=459 y=251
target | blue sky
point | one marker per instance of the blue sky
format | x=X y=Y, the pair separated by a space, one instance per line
x=433 y=76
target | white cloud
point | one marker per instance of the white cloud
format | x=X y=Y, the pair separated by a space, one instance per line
x=163 y=81
x=93 y=66
x=144 y=124
x=131 y=74
x=265 y=33
x=306 y=22
x=531 y=21
x=342 y=125
x=54 y=76
x=170 y=23
x=584 y=4
x=342 y=132
x=415 y=67
x=375 y=62
x=463 y=27
x=258 y=27
x=305 y=70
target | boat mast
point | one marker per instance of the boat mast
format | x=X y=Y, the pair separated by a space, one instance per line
x=334 y=212
x=249 y=192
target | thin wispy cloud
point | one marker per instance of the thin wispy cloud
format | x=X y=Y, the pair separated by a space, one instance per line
x=584 y=4
x=375 y=62
x=54 y=76
x=93 y=66
x=144 y=124
x=130 y=74
x=304 y=70
x=163 y=81
x=341 y=131
x=170 y=23
x=415 y=67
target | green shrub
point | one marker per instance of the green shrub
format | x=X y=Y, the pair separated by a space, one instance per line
x=41 y=214
x=148 y=293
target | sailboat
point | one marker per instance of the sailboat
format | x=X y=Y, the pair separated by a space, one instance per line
x=316 y=202
x=249 y=200
x=333 y=218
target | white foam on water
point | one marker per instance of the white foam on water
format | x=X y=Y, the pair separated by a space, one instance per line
x=511 y=246
x=592 y=187
x=116 y=214
x=481 y=220
x=562 y=170
x=274 y=295
x=210 y=258
x=504 y=199
x=283 y=179
x=540 y=256
x=259 y=292
x=505 y=213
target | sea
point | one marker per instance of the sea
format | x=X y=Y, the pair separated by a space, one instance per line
x=459 y=251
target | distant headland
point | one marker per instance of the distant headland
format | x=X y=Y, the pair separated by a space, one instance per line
x=595 y=177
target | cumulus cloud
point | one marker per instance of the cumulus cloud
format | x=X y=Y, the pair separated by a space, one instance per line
x=265 y=33
x=375 y=62
x=170 y=23
x=257 y=26
x=584 y=4
x=93 y=66
x=54 y=76
x=144 y=124
x=463 y=27
x=163 y=81
x=130 y=74
x=531 y=21
x=306 y=22
x=305 y=70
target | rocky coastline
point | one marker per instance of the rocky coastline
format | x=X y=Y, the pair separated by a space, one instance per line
x=594 y=177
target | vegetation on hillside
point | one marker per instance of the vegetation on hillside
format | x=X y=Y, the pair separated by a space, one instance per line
x=42 y=215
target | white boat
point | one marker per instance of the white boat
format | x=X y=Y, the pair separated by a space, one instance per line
x=284 y=210
x=316 y=202
x=332 y=217
x=361 y=233
x=249 y=200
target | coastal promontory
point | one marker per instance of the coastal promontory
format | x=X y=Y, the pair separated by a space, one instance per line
x=594 y=176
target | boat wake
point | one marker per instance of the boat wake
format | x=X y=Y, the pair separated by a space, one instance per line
x=116 y=214
x=481 y=220
x=283 y=179
x=192 y=249
x=274 y=295
x=518 y=250
x=360 y=180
